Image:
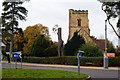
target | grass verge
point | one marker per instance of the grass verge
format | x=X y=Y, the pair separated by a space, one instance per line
x=40 y=74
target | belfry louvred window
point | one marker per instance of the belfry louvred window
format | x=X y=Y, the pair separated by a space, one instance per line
x=79 y=22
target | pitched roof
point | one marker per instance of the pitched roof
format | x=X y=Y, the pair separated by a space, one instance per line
x=100 y=43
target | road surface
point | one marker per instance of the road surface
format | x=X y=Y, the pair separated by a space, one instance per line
x=94 y=73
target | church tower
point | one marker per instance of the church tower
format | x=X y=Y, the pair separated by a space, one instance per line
x=78 y=21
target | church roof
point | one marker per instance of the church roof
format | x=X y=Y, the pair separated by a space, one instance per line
x=100 y=43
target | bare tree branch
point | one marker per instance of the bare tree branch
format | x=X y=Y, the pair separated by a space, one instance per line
x=114 y=29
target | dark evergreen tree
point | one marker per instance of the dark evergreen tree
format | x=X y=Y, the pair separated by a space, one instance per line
x=111 y=48
x=39 y=46
x=12 y=12
x=72 y=45
x=117 y=51
x=51 y=51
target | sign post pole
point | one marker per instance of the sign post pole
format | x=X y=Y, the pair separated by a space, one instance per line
x=79 y=57
x=20 y=55
x=78 y=66
x=16 y=56
x=21 y=60
x=16 y=63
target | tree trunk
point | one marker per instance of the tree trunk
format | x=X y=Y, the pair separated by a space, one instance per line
x=11 y=43
x=60 y=43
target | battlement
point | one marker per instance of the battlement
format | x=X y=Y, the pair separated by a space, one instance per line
x=78 y=11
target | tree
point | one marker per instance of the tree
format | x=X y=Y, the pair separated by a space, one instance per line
x=51 y=50
x=18 y=39
x=13 y=11
x=118 y=51
x=111 y=48
x=39 y=46
x=90 y=50
x=72 y=45
x=6 y=38
x=30 y=35
x=60 y=41
x=112 y=10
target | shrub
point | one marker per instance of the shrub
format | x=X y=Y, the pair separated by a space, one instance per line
x=90 y=50
x=72 y=60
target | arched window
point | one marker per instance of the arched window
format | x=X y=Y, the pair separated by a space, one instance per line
x=79 y=22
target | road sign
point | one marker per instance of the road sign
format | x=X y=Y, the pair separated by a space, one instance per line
x=16 y=55
x=79 y=57
x=12 y=55
x=109 y=54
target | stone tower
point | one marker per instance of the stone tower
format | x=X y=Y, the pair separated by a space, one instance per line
x=78 y=21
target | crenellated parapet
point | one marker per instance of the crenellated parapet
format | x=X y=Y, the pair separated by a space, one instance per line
x=78 y=21
x=78 y=11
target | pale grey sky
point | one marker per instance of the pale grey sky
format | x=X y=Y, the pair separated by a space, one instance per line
x=52 y=12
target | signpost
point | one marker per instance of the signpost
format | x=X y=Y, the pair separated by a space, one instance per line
x=79 y=58
x=17 y=55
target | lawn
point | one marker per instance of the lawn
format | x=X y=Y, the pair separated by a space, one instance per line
x=40 y=73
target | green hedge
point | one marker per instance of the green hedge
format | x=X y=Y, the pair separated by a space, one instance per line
x=72 y=60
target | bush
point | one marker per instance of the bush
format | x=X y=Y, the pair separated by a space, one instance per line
x=72 y=60
x=114 y=61
x=90 y=50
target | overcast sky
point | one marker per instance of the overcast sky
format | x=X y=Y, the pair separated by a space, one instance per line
x=52 y=12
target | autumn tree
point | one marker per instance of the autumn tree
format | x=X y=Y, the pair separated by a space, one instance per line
x=6 y=38
x=18 y=39
x=30 y=35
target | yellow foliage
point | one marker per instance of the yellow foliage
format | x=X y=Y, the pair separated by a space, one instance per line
x=17 y=39
x=31 y=33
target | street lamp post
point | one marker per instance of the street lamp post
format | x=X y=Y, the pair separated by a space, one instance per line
x=105 y=55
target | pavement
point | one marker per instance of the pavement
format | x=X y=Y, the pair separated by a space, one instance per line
x=63 y=66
